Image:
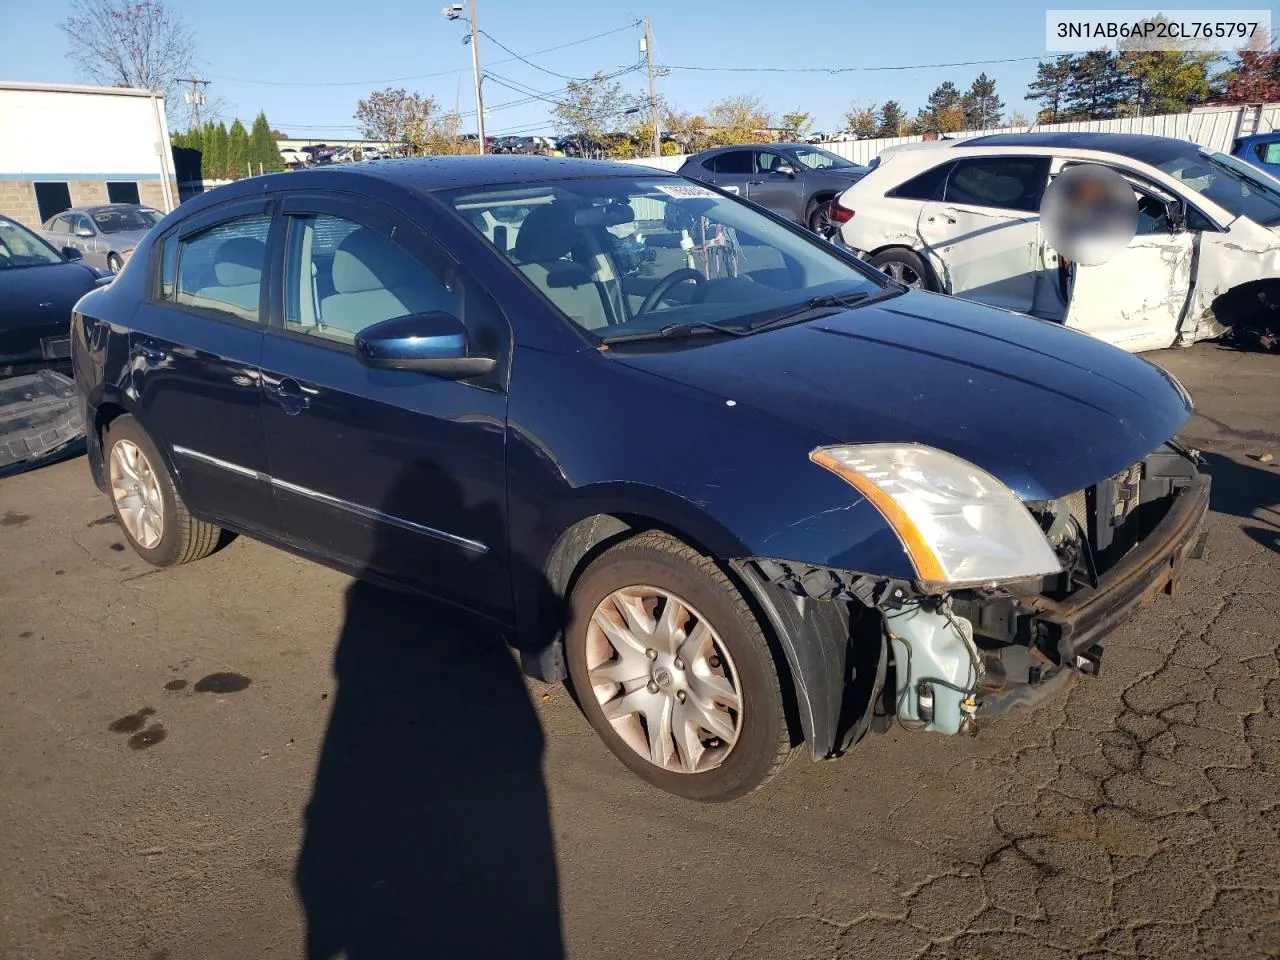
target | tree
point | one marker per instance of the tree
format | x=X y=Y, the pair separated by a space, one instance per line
x=892 y=120
x=1050 y=88
x=739 y=119
x=278 y=135
x=406 y=120
x=588 y=108
x=982 y=106
x=263 y=152
x=796 y=124
x=861 y=120
x=1016 y=118
x=213 y=151
x=1162 y=81
x=1095 y=88
x=689 y=129
x=1254 y=75
x=941 y=112
x=238 y=151
x=130 y=43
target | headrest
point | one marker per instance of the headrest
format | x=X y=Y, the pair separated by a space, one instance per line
x=366 y=260
x=238 y=261
x=548 y=233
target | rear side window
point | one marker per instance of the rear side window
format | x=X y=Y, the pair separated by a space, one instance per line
x=1007 y=183
x=221 y=268
x=924 y=186
x=735 y=161
x=1268 y=152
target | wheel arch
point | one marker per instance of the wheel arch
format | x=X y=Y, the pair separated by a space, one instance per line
x=1252 y=306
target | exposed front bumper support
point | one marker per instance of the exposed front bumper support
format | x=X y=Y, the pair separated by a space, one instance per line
x=1071 y=627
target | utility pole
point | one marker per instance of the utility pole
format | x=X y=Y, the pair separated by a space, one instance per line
x=455 y=13
x=194 y=98
x=646 y=47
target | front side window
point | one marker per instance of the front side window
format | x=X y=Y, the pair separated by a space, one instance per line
x=342 y=276
x=81 y=226
x=623 y=256
x=19 y=247
x=59 y=225
x=1230 y=183
x=1007 y=183
x=816 y=159
x=221 y=268
x=126 y=219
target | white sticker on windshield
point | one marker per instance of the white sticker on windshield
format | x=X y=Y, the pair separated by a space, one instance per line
x=684 y=191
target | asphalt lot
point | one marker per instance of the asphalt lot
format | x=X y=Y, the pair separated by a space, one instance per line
x=245 y=754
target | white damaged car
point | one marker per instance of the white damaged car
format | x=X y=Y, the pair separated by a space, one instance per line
x=964 y=219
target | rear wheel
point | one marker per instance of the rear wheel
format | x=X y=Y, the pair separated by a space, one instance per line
x=905 y=267
x=152 y=515
x=819 y=222
x=673 y=670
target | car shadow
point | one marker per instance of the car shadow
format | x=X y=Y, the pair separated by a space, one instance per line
x=428 y=832
x=1249 y=491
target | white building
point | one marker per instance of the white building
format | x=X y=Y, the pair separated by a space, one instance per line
x=63 y=146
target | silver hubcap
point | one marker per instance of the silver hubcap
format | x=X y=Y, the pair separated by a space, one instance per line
x=903 y=273
x=664 y=679
x=136 y=491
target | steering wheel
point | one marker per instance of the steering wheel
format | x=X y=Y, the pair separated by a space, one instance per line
x=664 y=286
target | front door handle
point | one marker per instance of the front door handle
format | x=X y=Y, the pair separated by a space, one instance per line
x=754 y=183
x=149 y=352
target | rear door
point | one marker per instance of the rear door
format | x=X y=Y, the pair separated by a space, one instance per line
x=195 y=342
x=1136 y=299
x=396 y=472
x=986 y=229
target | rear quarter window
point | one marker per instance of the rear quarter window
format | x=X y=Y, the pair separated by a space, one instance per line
x=924 y=186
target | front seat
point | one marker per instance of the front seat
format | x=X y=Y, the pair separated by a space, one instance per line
x=375 y=280
x=541 y=252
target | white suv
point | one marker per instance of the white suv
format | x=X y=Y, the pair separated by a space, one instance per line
x=964 y=219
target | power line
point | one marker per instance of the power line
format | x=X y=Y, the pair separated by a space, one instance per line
x=423 y=76
x=912 y=66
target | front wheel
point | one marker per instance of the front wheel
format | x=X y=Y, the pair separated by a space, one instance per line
x=673 y=671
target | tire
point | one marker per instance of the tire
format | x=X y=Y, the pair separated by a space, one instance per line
x=733 y=660
x=819 y=223
x=181 y=537
x=906 y=267
x=114 y=263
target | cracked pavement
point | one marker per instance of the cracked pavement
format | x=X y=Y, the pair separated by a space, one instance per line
x=162 y=733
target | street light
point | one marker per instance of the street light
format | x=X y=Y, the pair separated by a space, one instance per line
x=454 y=12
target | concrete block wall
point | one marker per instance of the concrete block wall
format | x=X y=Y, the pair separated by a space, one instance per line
x=18 y=197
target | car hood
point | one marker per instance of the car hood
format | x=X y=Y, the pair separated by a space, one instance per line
x=1045 y=409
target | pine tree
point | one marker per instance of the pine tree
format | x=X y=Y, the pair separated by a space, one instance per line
x=211 y=158
x=941 y=112
x=262 y=146
x=1050 y=88
x=220 y=151
x=237 y=150
x=892 y=120
x=1096 y=88
x=982 y=106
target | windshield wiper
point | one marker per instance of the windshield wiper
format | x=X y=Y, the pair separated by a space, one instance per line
x=687 y=328
x=829 y=300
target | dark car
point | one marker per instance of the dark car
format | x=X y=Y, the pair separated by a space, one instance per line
x=38 y=287
x=742 y=489
x=794 y=180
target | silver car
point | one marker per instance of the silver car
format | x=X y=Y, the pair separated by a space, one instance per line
x=105 y=235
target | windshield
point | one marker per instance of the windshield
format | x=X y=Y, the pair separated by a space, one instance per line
x=19 y=247
x=118 y=221
x=1229 y=183
x=621 y=257
x=816 y=159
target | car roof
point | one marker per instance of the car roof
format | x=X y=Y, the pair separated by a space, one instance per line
x=443 y=173
x=1137 y=146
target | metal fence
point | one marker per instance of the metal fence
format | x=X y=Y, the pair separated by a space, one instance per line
x=1212 y=127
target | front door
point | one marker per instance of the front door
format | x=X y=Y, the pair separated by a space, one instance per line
x=396 y=472
x=195 y=344
x=1136 y=299
x=783 y=193
x=986 y=229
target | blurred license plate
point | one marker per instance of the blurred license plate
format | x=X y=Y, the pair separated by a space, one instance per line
x=56 y=348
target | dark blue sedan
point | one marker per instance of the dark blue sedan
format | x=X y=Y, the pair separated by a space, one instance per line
x=740 y=489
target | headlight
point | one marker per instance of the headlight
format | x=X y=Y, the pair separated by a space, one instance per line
x=959 y=524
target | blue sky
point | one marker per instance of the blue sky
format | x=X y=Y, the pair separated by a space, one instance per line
x=308 y=63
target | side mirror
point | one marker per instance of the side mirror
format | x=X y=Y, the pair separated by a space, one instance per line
x=72 y=254
x=83 y=232
x=434 y=343
x=785 y=168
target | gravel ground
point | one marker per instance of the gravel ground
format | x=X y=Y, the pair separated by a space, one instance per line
x=252 y=757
